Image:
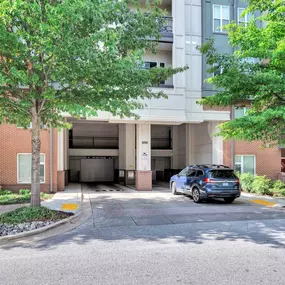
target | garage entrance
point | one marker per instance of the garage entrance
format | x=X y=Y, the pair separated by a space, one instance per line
x=92 y=169
x=97 y=170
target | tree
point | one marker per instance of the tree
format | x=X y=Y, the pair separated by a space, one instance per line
x=76 y=57
x=254 y=75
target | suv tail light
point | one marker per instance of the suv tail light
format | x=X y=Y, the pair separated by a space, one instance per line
x=208 y=180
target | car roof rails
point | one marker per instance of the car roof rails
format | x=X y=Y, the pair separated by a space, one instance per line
x=210 y=166
x=220 y=166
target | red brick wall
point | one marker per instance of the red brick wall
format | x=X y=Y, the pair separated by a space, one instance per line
x=268 y=160
x=14 y=140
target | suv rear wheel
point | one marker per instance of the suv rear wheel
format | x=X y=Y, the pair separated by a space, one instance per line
x=229 y=200
x=196 y=195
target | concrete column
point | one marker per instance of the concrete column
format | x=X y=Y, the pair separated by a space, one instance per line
x=143 y=173
x=179 y=148
x=175 y=148
x=190 y=155
x=127 y=155
x=217 y=143
x=60 y=160
x=66 y=155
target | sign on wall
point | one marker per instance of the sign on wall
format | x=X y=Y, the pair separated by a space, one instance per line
x=131 y=174
x=145 y=161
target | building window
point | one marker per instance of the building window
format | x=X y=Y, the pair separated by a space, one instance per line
x=43 y=126
x=221 y=17
x=218 y=70
x=240 y=112
x=245 y=19
x=152 y=64
x=24 y=168
x=245 y=164
x=21 y=127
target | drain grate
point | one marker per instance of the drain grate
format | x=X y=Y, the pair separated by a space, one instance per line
x=108 y=190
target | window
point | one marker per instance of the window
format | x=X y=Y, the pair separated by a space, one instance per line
x=191 y=173
x=184 y=172
x=149 y=64
x=21 y=127
x=245 y=163
x=30 y=126
x=219 y=69
x=221 y=17
x=240 y=112
x=224 y=174
x=199 y=173
x=245 y=19
x=24 y=171
x=152 y=64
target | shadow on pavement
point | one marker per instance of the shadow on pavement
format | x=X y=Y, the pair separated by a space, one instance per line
x=269 y=232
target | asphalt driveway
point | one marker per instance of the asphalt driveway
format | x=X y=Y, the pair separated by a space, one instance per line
x=113 y=206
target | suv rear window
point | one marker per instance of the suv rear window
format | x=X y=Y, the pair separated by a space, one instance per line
x=224 y=174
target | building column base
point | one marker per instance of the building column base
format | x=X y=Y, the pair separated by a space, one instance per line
x=60 y=180
x=143 y=180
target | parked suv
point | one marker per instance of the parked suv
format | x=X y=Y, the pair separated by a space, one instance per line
x=207 y=181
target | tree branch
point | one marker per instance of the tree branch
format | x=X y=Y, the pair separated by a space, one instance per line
x=279 y=97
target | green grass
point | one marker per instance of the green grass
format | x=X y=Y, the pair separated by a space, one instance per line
x=29 y=214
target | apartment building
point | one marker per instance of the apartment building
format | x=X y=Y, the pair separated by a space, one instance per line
x=170 y=134
x=244 y=156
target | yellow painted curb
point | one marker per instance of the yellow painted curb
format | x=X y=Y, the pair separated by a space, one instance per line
x=263 y=202
x=69 y=207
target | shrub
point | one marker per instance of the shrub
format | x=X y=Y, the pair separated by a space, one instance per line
x=246 y=180
x=28 y=214
x=45 y=196
x=278 y=188
x=5 y=192
x=261 y=185
x=25 y=192
x=14 y=199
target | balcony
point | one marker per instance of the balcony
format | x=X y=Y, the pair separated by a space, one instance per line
x=167 y=31
x=77 y=142
x=161 y=143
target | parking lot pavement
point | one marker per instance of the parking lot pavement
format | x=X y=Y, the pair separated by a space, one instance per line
x=132 y=208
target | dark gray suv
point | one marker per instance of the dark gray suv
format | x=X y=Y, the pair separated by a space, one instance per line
x=207 y=181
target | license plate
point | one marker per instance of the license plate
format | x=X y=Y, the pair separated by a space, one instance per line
x=225 y=184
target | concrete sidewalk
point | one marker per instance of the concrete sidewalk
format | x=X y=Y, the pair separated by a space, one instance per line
x=267 y=201
x=9 y=208
x=68 y=200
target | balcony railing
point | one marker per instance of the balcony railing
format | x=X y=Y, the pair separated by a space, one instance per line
x=167 y=30
x=94 y=142
x=161 y=143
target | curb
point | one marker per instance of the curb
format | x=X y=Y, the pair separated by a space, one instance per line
x=40 y=230
x=265 y=201
x=35 y=232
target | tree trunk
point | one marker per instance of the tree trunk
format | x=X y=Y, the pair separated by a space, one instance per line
x=36 y=152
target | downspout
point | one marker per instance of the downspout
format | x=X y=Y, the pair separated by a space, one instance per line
x=233 y=107
x=233 y=140
x=50 y=159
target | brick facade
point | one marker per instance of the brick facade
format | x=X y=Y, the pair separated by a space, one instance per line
x=15 y=140
x=268 y=160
